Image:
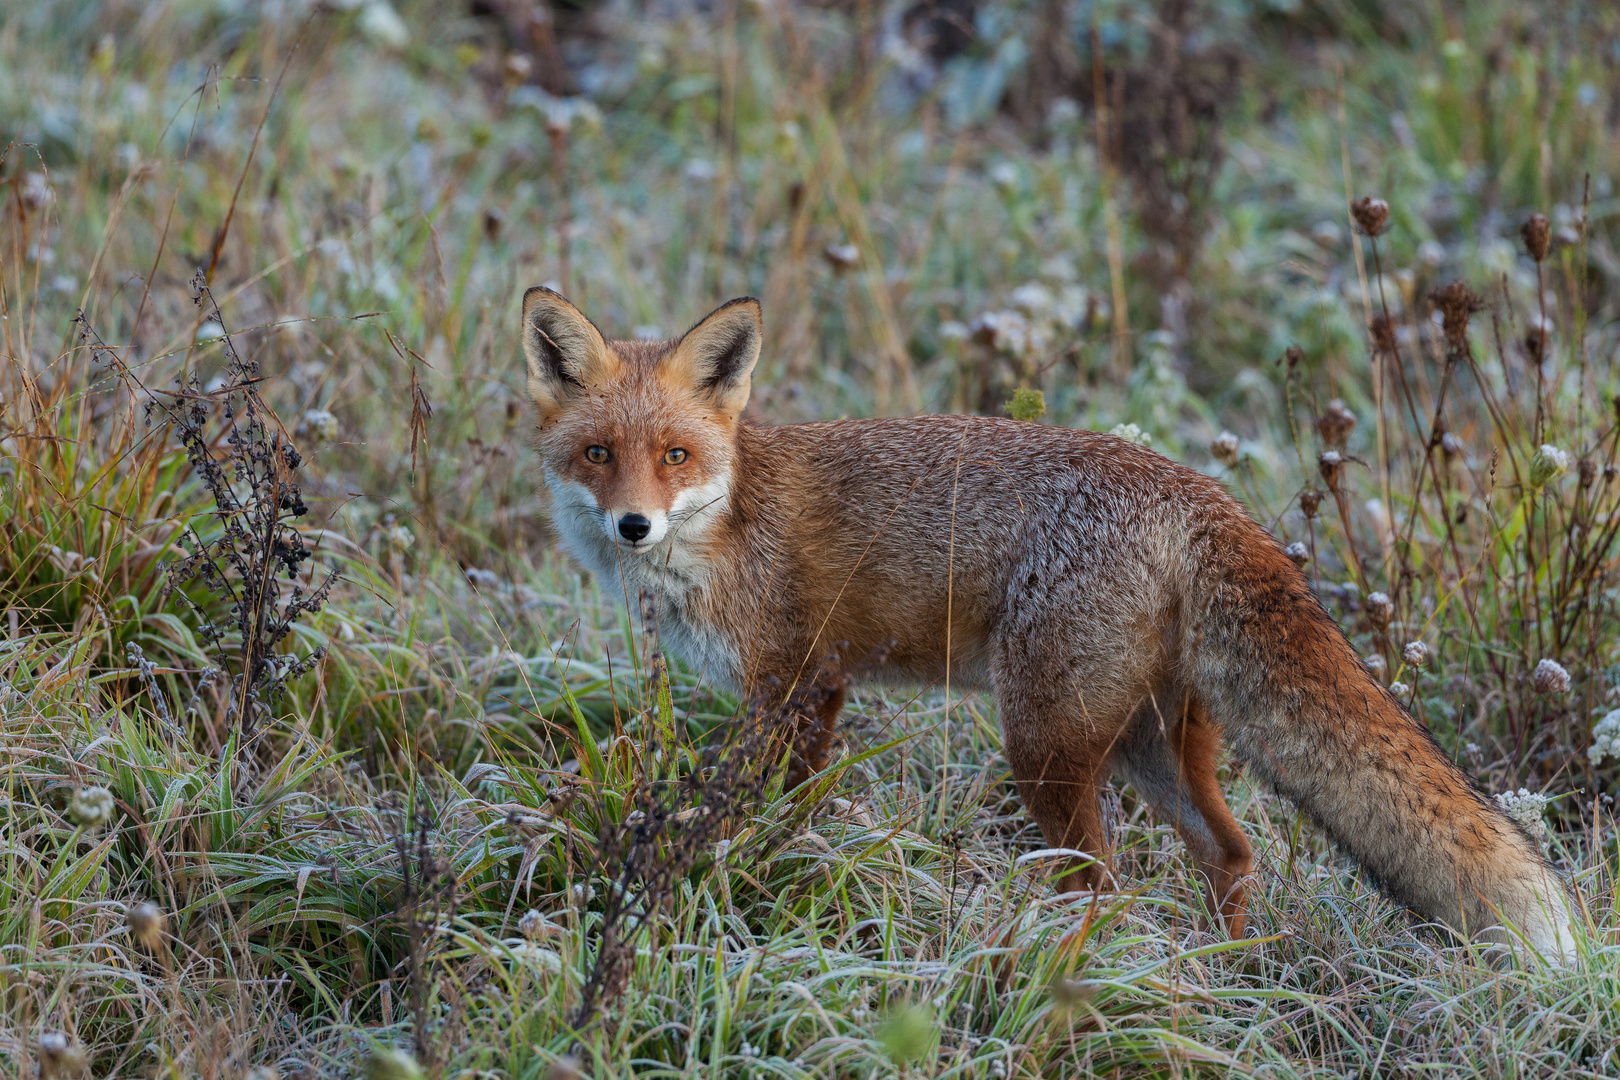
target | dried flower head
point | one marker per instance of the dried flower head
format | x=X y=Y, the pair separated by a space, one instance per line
x=1382 y=329
x=1336 y=423
x=1415 y=653
x=146 y=923
x=1399 y=689
x=1297 y=553
x=1451 y=446
x=842 y=257
x=264 y=1072
x=1225 y=449
x=92 y=807
x=1548 y=463
x=1331 y=464
x=533 y=925
x=59 y=1056
x=1380 y=609
x=1310 y=501
x=1371 y=214
x=1588 y=471
x=1537 y=233
x=1457 y=303
x=1551 y=677
x=1375 y=664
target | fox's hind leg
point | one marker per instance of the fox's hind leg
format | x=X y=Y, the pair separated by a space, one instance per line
x=1169 y=757
x=1060 y=767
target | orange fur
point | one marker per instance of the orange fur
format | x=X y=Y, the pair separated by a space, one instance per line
x=1126 y=612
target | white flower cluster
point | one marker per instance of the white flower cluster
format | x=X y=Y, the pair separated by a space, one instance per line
x=1225 y=449
x=1131 y=434
x=1605 y=739
x=1525 y=807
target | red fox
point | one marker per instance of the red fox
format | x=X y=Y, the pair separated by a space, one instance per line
x=1126 y=613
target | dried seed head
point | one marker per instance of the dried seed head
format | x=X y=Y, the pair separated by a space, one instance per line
x=1330 y=464
x=1375 y=665
x=1371 y=214
x=1551 y=677
x=1382 y=329
x=264 y=1072
x=1298 y=553
x=532 y=925
x=1399 y=689
x=1537 y=233
x=1415 y=653
x=91 y=807
x=1457 y=302
x=842 y=257
x=1225 y=449
x=59 y=1056
x=1336 y=423
x=1451 y=446
x=1310 y=501
x=1379 y=609
x=146 y=923
x=1588 y=470
x=1535 y=343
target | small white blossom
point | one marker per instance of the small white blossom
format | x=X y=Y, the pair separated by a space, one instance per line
x=382 y=24
x=1551 y=677
x=1376 y=665
x=954 y=331
x=1415 y=653
x=1298 y=553
x=1399 y=689
x=92 y=807
x=1605 y=739
x=1380 y=608
x=1225 y=449
x=1004 y=174
x=1527 y=808
x=1132 y=434
x=401 y=537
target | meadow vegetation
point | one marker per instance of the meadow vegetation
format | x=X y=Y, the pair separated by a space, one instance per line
x=318 y=759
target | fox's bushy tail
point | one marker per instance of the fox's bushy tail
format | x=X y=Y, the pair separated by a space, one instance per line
x=1301 y=709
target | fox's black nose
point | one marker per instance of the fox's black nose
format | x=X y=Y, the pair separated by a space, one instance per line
x=634 y=526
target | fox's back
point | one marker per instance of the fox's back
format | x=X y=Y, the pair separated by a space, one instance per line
x=922 y=528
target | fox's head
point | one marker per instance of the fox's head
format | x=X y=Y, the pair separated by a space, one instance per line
x=638 y=438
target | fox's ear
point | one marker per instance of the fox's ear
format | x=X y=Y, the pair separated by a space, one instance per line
x=716 y=358
x=566 y=352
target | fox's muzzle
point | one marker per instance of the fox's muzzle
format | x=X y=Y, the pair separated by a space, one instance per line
x=634 y=527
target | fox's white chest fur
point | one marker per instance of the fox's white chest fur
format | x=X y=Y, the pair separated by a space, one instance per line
x=672 y=569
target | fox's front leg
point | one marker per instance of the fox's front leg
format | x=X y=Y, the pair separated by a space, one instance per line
x=814 y=733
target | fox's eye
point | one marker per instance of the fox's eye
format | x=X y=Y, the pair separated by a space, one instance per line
x=674 y=457
x=597 y=455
